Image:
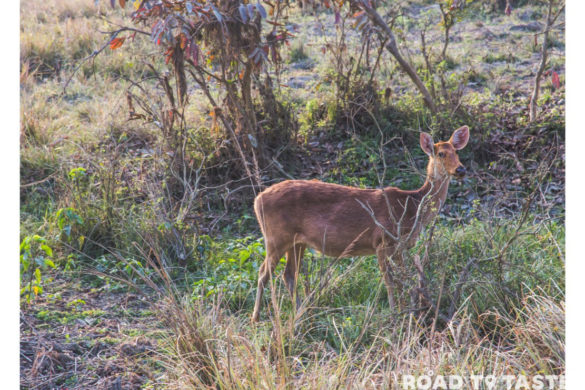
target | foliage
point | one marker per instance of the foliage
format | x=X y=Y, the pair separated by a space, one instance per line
x=217 y=43
x=66 y=219
x=228 y=269
x=35 y=258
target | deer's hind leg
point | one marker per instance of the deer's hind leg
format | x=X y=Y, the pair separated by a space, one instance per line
x=265 y=273
x=294 y=257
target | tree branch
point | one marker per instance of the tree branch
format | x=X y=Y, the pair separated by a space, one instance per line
x=392 y=47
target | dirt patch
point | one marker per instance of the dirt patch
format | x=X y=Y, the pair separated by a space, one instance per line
x=80 y=338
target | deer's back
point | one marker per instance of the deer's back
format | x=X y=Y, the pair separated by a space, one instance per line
x=325 y=216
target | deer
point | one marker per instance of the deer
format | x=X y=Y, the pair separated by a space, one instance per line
x=343 y=221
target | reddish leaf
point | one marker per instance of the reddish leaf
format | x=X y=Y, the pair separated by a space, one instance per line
x=122 y=3
x=117 y=42
x=182 y=40
x=337 y=17
x=555 y=80
x=360 y=22
x=169 y=54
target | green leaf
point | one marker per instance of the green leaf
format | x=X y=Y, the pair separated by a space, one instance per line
x=25 y=244
x=38 y=275
x=24 y=262
x=39 y=261
x=49 y=263
x=47 y=250
x=244 y=255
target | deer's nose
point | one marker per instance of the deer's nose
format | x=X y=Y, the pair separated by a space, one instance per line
x=460 y=171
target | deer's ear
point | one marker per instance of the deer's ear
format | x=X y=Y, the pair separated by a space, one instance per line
x=427 y=144
x=460 y=137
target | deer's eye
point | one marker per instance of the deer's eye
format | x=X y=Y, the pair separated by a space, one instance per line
x=441 y=154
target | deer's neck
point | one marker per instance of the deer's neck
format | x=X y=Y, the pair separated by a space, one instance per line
x=433 y=193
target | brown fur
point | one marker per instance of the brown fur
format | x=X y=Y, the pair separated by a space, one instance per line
x=342 y=221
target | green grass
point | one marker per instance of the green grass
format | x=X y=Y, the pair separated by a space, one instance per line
x=67 y=317
x=501 y=57
x=298 y=53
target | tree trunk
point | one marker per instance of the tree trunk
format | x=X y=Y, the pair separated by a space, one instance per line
x=180 y=79
x=544 y=56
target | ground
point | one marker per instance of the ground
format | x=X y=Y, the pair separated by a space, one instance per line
x=83 y=337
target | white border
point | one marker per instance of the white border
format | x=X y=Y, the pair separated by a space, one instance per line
x=575 y=140
x=9 y=212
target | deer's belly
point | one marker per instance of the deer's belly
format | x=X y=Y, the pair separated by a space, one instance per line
x=342 y=247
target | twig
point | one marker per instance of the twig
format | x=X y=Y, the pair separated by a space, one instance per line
x=424 y=291
x=34 y=183
x=392 y=47
x=113 y=35
x=550 y=20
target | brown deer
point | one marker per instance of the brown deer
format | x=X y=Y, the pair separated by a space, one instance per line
x=342 y=221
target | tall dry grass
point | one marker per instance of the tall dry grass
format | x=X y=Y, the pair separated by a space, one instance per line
x=208 y=347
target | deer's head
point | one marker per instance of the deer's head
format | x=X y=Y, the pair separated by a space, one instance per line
x=443 y=155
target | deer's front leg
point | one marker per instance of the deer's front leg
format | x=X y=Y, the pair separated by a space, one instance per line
x=385 y=269
x=398 y=261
